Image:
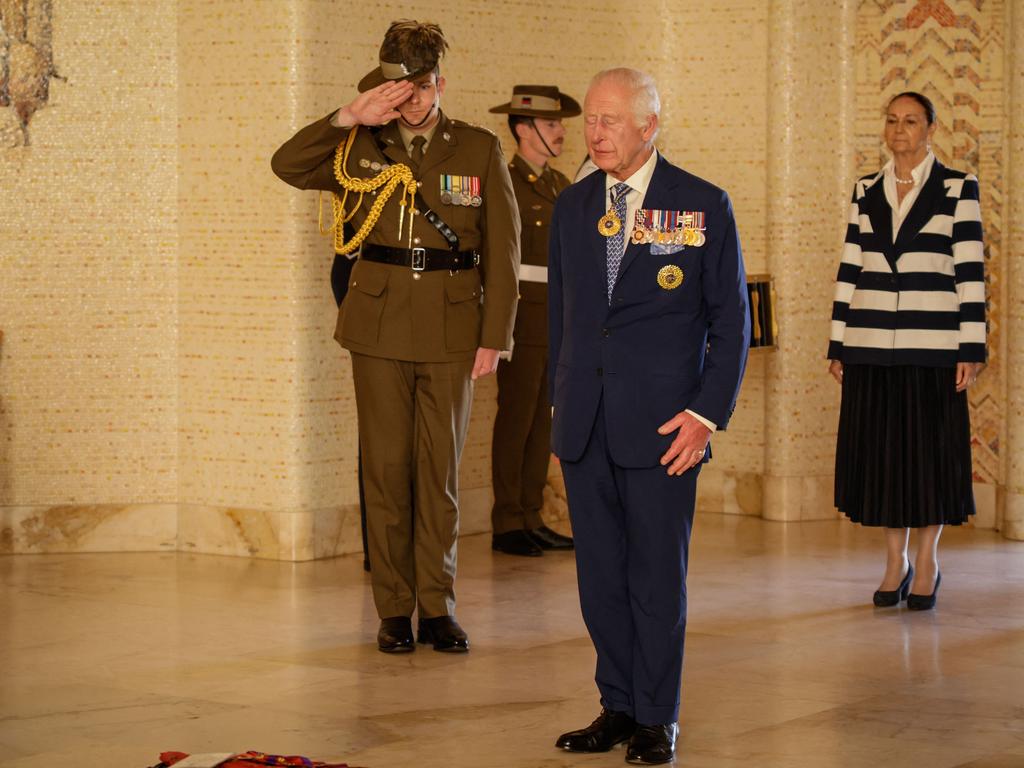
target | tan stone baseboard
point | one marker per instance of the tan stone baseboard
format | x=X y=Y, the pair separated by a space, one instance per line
x=802 y=497
x=291 y=536
x=88 y=528
x=729 y=492
x=323 y=533
x=1013 y=516
x=986 y=506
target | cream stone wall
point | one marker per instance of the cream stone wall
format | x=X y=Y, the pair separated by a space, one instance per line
x=167 y=375
x=88 y=274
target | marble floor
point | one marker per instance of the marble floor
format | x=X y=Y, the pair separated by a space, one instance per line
x=107 y=660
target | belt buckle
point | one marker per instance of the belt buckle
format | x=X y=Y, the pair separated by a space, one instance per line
x=419 y=259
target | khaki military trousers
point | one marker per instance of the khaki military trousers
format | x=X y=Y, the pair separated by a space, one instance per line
x=413 y=419
x=521 y=447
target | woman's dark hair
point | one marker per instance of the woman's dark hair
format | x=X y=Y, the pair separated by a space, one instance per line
x=920 y=98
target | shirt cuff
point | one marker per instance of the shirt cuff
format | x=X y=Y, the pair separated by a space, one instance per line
x=709 y=424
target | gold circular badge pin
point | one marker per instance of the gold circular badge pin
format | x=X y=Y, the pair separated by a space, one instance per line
x=670 y=277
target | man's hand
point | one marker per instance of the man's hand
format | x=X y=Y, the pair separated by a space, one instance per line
x=375 y=106
x=967 y=374
x=836 y=369
x=688 y=449
x=486 y=362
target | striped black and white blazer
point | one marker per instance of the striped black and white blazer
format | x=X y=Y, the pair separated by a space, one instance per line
x=918 y=299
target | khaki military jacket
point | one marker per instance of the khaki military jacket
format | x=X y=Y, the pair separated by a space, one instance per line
x=392 y=311
x=535 y=196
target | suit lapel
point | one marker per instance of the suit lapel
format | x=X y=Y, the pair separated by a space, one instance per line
x=595 y=207
x=545 y=185
x=542 y=185
x=390 y=142
x=880 y=216
x=926 y=203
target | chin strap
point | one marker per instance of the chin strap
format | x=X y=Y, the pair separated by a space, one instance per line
x=533 y=124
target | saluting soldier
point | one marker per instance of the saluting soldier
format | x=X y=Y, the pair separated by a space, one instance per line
x=521 y=447
x=431 y=302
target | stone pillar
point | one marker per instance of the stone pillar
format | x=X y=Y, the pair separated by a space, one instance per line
x=810 y=173
x=1013 y=518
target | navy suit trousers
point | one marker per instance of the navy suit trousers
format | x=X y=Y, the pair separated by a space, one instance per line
x=632 y=530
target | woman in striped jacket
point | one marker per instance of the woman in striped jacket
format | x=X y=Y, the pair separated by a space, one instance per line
x=908 y=339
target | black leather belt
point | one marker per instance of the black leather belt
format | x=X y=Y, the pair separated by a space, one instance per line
x=421 y=259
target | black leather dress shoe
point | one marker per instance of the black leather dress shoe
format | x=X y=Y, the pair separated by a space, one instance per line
x=444 y=633
x=549 y=539
x=888 y=598
x=652 y=744
x=516 y=543
x=610 y=728
x=395 y=635
x=925 y=602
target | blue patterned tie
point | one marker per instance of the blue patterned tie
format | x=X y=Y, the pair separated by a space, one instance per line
x=617 y=242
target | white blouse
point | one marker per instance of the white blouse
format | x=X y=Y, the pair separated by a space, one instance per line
x=900 y=210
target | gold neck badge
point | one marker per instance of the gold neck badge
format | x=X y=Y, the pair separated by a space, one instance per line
x=609 y=225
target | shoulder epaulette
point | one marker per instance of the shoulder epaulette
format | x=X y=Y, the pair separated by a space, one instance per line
x=464 y=124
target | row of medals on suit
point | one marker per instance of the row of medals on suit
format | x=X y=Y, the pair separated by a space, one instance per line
x=660 y=227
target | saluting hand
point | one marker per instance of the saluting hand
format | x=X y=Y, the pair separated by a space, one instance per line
x=688 y=449
x=375 y=106
x=485 y=364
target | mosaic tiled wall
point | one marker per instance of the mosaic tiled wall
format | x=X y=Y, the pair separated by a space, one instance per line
x=88 y=275
x=953 y=51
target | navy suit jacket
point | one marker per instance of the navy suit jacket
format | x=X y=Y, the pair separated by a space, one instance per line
x=651 y=352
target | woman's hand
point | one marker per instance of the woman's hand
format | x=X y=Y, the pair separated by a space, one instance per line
x=967 y=374
x=836 y=369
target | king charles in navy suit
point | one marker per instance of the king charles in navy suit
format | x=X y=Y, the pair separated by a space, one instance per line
x=649 y=332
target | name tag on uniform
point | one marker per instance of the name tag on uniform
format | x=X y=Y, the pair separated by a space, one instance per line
x=461 y=190
x=668 y=231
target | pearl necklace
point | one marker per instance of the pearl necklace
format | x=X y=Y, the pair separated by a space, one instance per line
x=902 y=181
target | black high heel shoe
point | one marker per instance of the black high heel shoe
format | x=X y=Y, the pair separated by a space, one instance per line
x=889 y=598
x=925 y=602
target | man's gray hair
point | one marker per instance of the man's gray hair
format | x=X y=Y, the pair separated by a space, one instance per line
x=646 y=101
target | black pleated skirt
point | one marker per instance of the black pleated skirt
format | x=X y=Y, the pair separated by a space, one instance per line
x=903 y=455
